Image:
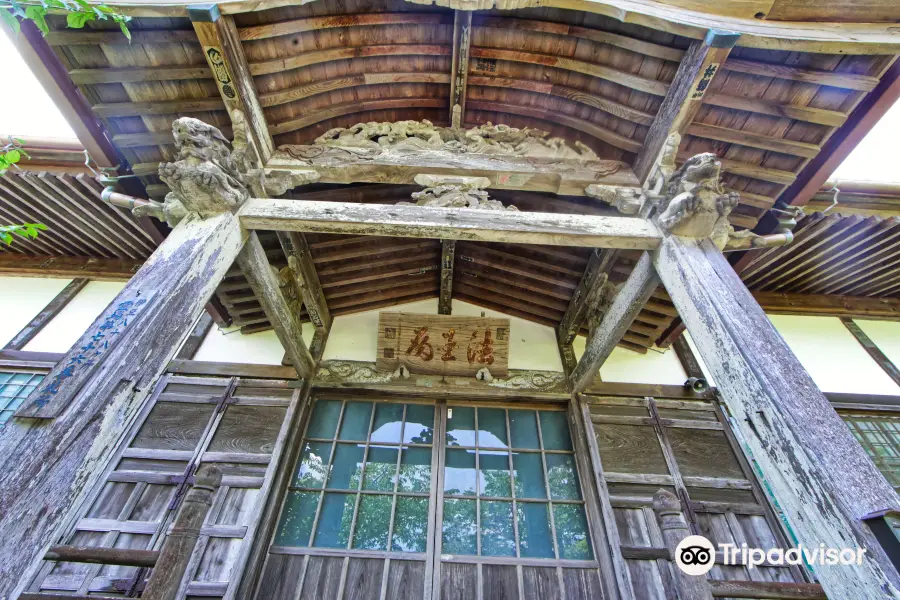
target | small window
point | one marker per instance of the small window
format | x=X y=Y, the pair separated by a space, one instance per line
x=880 y=436
x=14 y=388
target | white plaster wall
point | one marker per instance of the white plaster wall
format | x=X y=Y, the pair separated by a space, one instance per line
x=229 y=345
x=832 y=356
x=65 y=329
x=21 y=299
x=886 y=335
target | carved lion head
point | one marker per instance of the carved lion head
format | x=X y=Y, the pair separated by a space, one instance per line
x=193 y=137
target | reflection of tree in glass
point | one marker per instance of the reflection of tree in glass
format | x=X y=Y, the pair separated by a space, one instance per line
x=381 y=468
x=494 y=479
x=313 y=467
x=459 y=527
x=410 y=525
x=497 y=537
x=571 y=532
x=372 y=522
x=563 y=478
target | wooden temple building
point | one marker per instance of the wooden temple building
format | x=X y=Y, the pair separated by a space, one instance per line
x=447 y=223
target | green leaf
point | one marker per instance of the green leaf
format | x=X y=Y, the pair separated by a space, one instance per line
x=13 y=156
x=6 y=237
x=38 y=14
x=124 y=29
x=76 y=20
x=10 y=20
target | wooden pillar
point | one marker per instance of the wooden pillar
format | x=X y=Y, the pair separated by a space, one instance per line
x=821 y=477
x=91 y=397
x=175 y=555
x=262 y=280
x=459 y=68
x=304 y=270
x=588 y=294
x=674 y=528
x=448 y=254
x=621 y=314
x=45 y=316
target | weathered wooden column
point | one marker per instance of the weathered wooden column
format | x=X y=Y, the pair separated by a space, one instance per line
x=49 y=462
x=167 y=573
x=674 y=528
x=821 y=477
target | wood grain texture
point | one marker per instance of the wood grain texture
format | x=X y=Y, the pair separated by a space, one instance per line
x=459 y=224
x=62 y=461
x=773 y=401
x=625 y=307
x=442 y=344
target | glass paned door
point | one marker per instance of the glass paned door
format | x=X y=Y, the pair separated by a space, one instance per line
x=376 y=508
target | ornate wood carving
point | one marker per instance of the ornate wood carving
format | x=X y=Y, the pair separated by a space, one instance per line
x=448 y=255
x=455 y=192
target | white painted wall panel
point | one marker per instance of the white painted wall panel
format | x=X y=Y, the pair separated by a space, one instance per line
x=21 y=299
x=65 y=329
x=832 y=356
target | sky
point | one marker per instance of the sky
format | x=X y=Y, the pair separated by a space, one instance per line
x=25 y=110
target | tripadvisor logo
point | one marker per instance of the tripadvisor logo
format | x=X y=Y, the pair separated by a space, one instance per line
x=695 y=555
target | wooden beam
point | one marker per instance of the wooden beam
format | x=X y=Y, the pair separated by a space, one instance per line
x=301 y=263
x=258 y=271
x=860 y=307
x=587 y=295
x=222 y=48
x=687 y=359
x=448 y=256
x=50 y=73
x=874 y=351
x=459 y=69
x=47 y=314
x=774 y=402
x=198 y=334
x=564 y=177
x=48 y=470
x=100 y=269
x=449 y=223
x=839 y=146
x=628 y=302
x=699 y=65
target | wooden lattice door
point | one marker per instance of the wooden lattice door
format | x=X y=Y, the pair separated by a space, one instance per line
x=237 y=424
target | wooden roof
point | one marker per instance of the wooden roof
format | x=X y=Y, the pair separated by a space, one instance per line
x=584 y=76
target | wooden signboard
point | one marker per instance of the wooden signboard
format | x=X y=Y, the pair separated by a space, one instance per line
x=442 y=344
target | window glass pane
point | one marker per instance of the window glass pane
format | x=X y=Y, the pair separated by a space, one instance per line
x=459 y=472
x=415 y=470
x=388 y=423
x=534 y=530
x=494 y=479
x=419 y=428
x=333 y=529
x=497 y=534
x=355 y=425
x=323 y=422
x=346 y=467
x=529 y=473
x=523 y=429
x=297 y=519
x=555 y=430
x=313 y=465
x=410 y=525
x=491 y=428
x=381 y=469
x=563 y=478
x=461 y=427
x=372 y=522
x=571 y=532
x=459 y=527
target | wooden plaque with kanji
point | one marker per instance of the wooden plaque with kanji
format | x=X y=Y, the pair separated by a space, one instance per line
x=442 y=344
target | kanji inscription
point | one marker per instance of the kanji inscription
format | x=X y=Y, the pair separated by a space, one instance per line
x=442 y=344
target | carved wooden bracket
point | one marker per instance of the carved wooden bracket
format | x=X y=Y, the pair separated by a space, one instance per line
x=448 y=191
